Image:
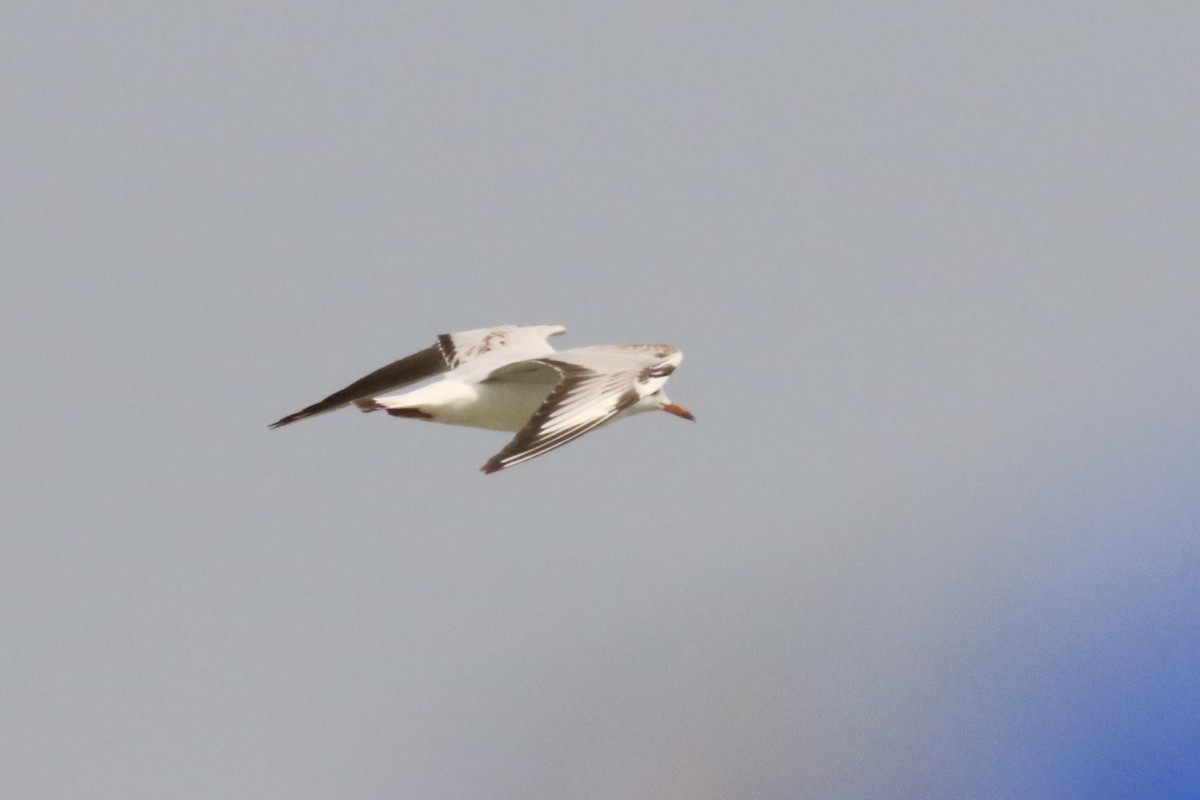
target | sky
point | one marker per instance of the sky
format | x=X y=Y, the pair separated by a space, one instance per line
x=934 y=271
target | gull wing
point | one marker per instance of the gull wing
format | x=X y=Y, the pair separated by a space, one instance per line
x=595 y=385
x=502 y=344
x=451 y=351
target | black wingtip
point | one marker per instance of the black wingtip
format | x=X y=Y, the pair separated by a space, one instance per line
x=289 y=419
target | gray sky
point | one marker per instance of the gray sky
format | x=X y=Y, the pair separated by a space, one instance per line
x=934 y=270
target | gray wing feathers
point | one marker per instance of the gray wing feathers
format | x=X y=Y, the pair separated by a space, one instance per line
x=582 y=401
x=410 y=369
x=503 y=341
x=451 y=351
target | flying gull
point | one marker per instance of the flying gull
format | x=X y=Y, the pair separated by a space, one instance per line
x=509 y=378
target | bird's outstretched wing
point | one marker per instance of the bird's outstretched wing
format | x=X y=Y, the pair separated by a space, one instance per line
x=451 y=351
x=595 y=385
x=502 y=344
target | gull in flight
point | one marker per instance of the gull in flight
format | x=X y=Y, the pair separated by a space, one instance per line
x=509 y=378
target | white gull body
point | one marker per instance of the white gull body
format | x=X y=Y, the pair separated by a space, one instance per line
x=509 y=378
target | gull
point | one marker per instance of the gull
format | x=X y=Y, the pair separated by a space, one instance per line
x=509 y=378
